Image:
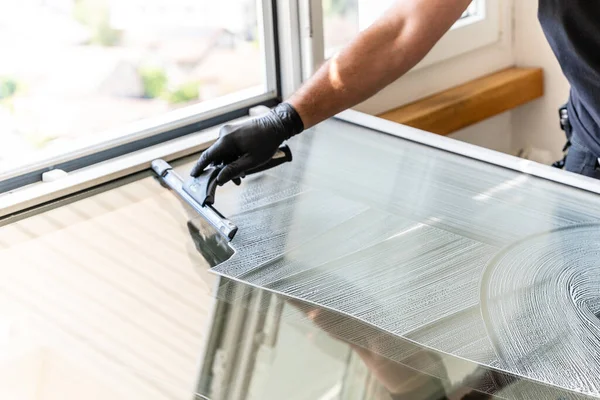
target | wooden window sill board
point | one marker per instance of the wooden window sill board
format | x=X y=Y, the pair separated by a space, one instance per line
x=456 y=108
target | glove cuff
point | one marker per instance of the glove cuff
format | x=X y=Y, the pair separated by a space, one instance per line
x=290 y=119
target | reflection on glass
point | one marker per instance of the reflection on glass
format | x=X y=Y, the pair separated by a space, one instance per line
x=285 y=348
x=75 y=68
x=415 y=244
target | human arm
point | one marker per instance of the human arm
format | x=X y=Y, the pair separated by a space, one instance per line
x=395 y=43
x=378 y=56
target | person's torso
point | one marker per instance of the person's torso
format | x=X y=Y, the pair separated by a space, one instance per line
x=573 y=30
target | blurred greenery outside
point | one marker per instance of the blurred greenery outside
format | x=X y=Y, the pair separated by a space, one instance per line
x=95 y=14
x=8 y=87
x=39 y=140
x=338 y=7
x=184 y=93
x=156 y=85
x=153 y=78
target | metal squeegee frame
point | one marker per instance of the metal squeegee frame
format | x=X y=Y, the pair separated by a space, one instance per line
x=471 y=151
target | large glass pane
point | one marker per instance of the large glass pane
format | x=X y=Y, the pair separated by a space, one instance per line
x=72 y=70
x=473 y=260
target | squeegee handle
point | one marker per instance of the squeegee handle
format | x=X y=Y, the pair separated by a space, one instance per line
x=283 y=155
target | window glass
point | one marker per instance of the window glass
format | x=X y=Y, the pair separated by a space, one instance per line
x=75 y=69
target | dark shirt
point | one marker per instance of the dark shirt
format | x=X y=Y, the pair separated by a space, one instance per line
x=573 y=30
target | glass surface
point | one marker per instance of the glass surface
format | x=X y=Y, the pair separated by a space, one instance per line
x=466 y=258
x=73 y=70
x=344 y=19
x=111 y=295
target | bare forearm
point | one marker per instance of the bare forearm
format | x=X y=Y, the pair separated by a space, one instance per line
x=376 y=58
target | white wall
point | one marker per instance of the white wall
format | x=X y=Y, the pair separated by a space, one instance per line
x=446 y=74
x=536 y=124
x=495 y=133
x=522 y=43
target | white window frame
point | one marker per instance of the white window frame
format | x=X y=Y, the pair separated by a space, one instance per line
x=132 y=136
x=466 y=35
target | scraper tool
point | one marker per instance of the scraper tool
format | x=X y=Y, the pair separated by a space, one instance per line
x=199 y=192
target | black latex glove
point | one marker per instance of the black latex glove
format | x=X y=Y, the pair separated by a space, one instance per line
x=248 y=145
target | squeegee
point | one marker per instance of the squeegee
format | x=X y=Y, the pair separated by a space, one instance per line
x=200 y=192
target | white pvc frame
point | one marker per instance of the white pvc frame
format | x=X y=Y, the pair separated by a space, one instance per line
x=266 y=15
x=290 y=51
x=311 y=36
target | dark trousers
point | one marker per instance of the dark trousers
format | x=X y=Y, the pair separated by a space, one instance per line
x=581 y=160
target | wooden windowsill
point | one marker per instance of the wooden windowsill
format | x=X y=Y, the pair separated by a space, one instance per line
x=464 y=105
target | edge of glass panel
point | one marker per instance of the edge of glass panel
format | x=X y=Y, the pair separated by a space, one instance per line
x=471 y=151
x=168 y=126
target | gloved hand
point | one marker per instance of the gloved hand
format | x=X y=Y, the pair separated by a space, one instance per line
x=248 y=145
